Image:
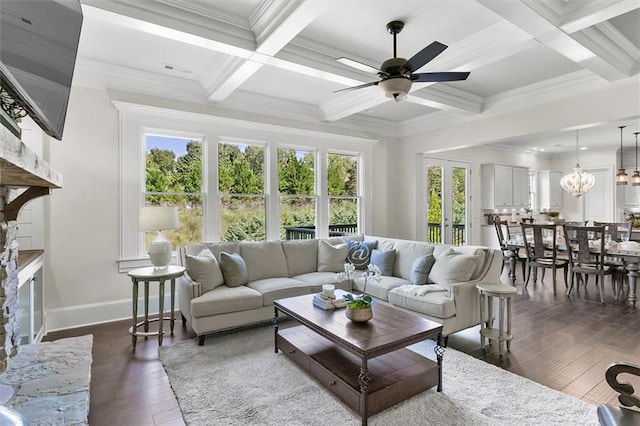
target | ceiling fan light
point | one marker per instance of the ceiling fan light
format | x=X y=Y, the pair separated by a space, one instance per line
x=396 y=87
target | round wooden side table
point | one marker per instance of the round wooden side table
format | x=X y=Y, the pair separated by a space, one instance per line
x=147 y=275
x=503 y=293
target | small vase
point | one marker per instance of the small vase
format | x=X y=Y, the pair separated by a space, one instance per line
x=359 y=315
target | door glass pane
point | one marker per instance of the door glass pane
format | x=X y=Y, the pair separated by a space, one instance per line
x=459 y=203
x=434 y=204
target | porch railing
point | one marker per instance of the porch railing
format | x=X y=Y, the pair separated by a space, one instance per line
x=434 y=234
x=309 y=232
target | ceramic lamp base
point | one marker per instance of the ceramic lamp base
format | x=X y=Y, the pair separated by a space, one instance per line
x=160 y=251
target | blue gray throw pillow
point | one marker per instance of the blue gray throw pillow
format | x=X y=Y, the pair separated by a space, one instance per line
x=360 y=252
x=384 y=260
x=234 y=269
x=421 y=268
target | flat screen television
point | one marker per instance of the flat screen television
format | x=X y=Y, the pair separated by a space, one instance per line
x=38 y=48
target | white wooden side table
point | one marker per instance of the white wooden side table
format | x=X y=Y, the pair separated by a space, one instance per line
x=503 y=293
x=147 y=275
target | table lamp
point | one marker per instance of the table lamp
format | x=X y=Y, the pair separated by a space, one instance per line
x=159 y=218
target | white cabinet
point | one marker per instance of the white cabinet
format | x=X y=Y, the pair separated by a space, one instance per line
x=504 y=187
x=549 y=190
x=631 y=195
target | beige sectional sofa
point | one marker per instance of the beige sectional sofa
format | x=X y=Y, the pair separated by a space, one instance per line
x=222 y=291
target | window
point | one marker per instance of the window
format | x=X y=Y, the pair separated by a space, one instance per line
x=242 y=195
x=224 y=174
x=297 y=190
x=343 y=193
x=173 y=177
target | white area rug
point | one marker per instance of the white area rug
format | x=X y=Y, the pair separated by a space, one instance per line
x=237 y=379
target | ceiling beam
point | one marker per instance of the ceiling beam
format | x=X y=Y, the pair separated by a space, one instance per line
x=588 y=48
x=275 y=24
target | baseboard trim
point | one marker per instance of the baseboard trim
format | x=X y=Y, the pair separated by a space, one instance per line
x=58 y=319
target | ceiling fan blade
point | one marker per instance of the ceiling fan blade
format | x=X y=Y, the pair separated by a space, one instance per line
x=359 y=65
x=373 y=83
x=430 y=77
x=425 y=55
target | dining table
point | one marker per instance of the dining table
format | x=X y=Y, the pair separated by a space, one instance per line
x=631 y=258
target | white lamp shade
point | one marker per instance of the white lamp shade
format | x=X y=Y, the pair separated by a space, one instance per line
x=156 y=218
x=396 y=87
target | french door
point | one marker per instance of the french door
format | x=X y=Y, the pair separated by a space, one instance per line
x=445 y=208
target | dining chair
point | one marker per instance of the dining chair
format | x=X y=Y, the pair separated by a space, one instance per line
x=540 y=243
x=619 y=231
x=586 y=247
x=504 y=235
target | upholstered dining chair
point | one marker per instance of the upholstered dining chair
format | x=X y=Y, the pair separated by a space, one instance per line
x=542 y=251
x=504 y=235
x=586 y=246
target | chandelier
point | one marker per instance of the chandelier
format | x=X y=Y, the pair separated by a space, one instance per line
x=578 y=181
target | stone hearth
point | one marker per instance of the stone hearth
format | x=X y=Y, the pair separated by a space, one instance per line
x=51 y=381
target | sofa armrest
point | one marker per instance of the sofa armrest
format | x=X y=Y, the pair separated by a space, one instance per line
x=188 y=289
x=465 y=296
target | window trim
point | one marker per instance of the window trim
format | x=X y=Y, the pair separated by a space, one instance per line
x=135 y=120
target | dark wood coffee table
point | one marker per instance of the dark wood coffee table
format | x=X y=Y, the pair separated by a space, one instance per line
x=366 y=365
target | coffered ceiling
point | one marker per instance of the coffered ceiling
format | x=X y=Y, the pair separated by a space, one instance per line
x=278 y=57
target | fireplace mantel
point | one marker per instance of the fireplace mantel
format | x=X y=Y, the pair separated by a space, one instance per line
x=21 y=167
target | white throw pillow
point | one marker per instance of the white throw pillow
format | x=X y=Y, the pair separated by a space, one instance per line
x=331 y=258
x=204 y=269
x=452 y=267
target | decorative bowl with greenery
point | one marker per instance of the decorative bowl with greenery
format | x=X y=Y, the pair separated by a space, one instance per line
x=359 y=307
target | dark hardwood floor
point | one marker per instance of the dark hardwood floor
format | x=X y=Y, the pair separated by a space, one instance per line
x=565 y=344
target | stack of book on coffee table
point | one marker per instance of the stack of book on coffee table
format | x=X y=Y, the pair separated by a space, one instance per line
x=326 y=302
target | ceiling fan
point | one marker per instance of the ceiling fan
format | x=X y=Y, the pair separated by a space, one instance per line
x=397 y=74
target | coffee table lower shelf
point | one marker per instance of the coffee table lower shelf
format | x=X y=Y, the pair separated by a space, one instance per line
x=395 y=376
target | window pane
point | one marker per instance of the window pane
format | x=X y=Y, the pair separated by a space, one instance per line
x=459 y=197
x=240 y=168
x=343 y=216
x=190 y=216
x=243 y=218
x=173 y=165
x=297 y=218
x=342 y=175
x=174 y=178
x=296 y=172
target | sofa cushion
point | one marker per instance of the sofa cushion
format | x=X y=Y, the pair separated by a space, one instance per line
x=223 y=299
x=437 y=304
x=384 y=259
x=331 y=258
x=265 y=259
x=279 y=288
x=359 y=252
x=302 y=256
x=234 y=269
x=406 y=253
x=421 y=268
x=204 y=269
x=378 y=289
x=452 y=267
x=316 y=279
